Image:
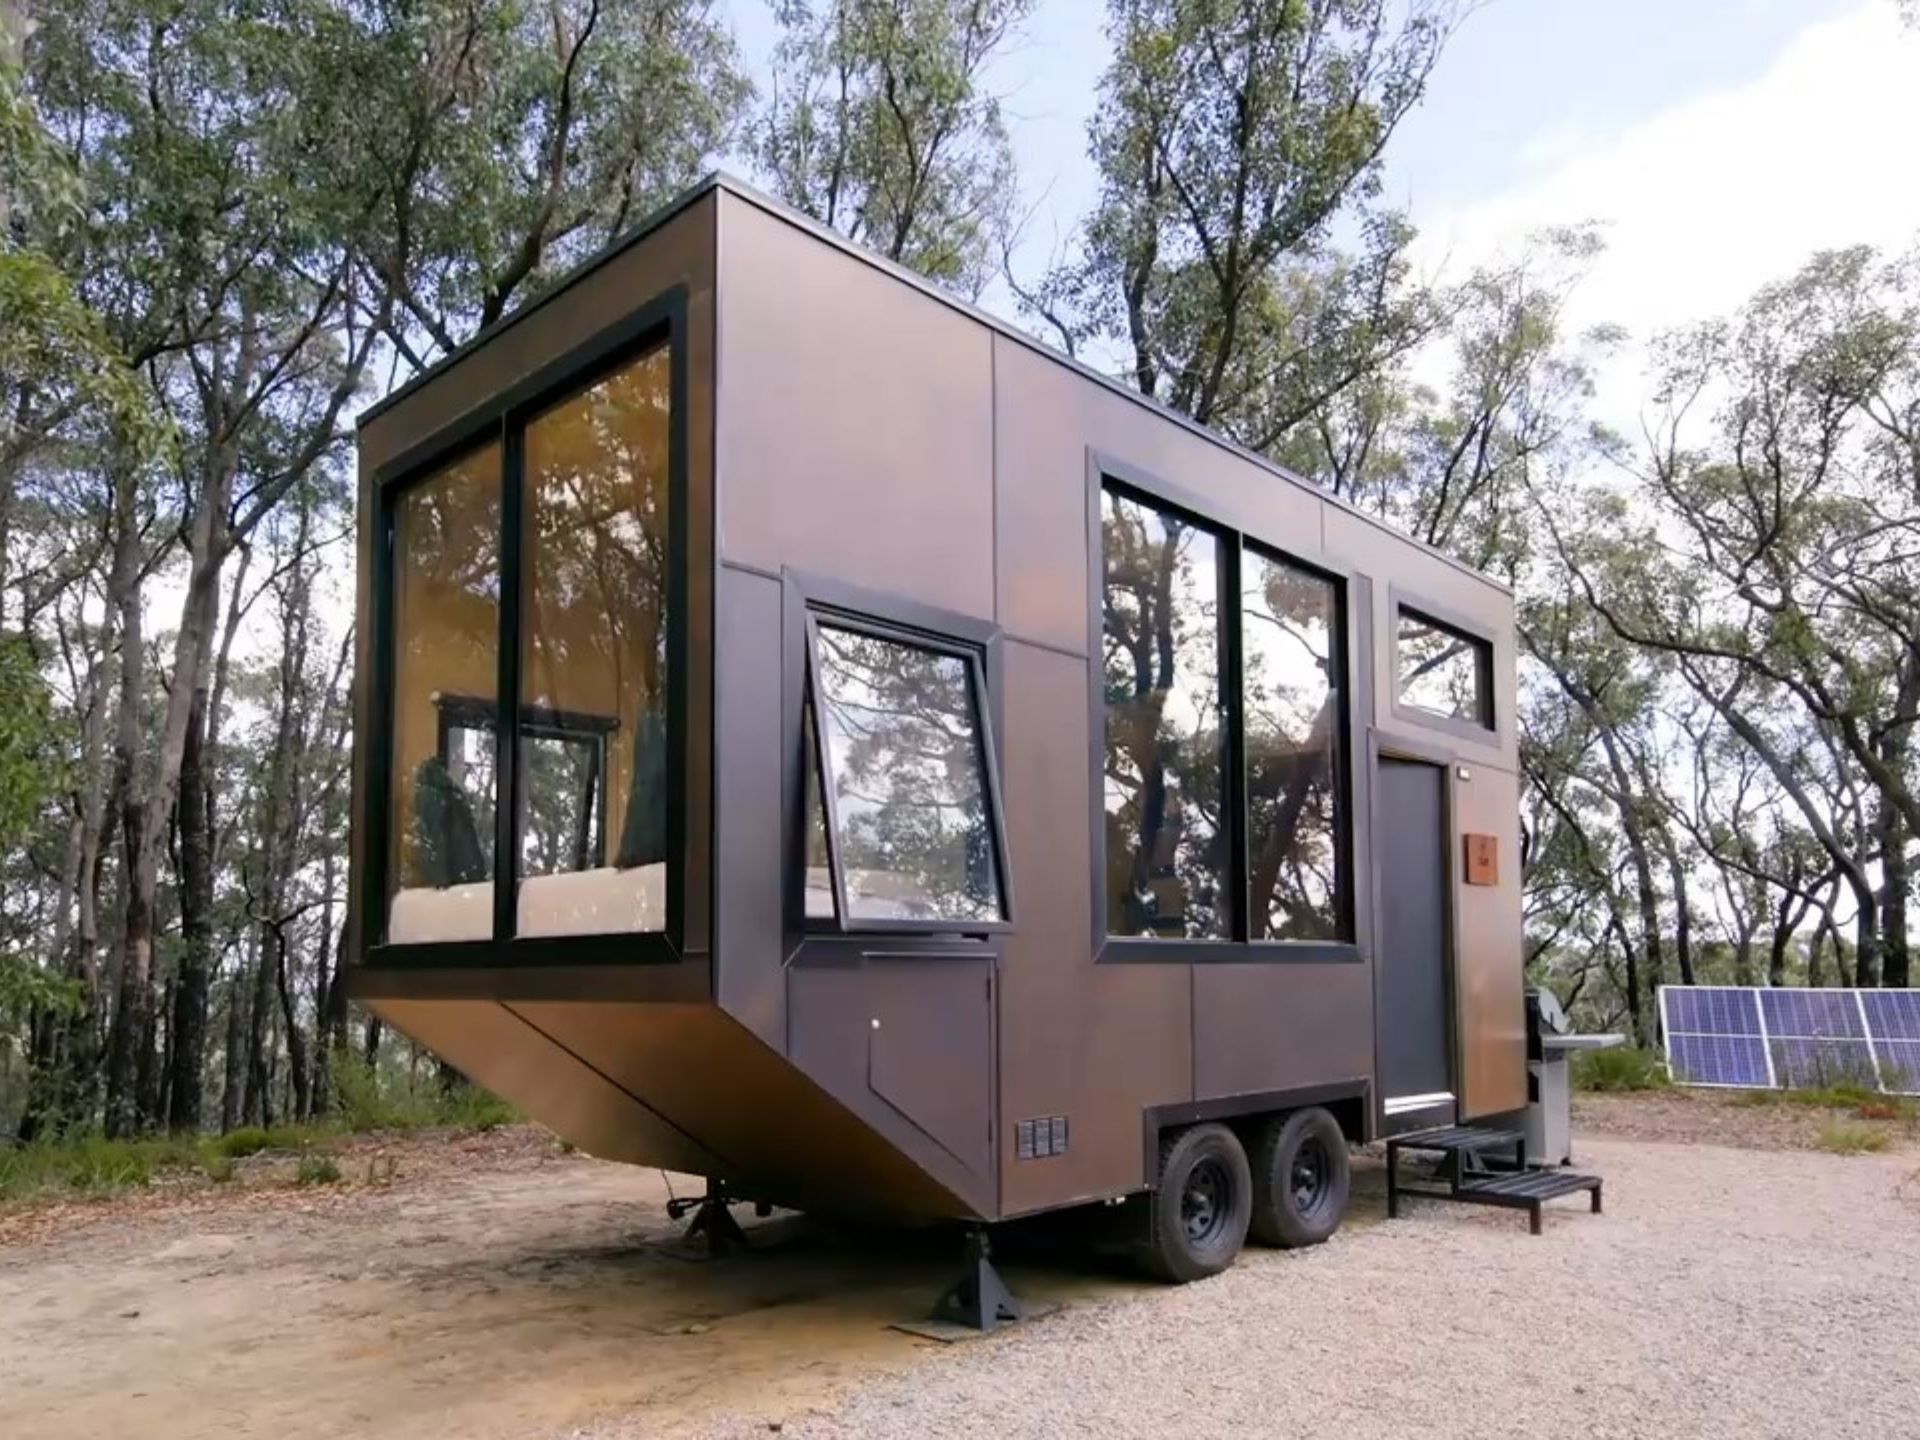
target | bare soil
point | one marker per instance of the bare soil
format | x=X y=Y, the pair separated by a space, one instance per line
x=491 y=1287
x=1715 y=1117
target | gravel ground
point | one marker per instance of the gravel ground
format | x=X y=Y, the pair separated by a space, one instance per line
x=1719 y=1117
x=1725 y=1293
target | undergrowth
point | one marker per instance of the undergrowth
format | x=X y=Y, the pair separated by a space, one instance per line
x=1619 y=1070
x=1850 y=1137
x=364 y=1101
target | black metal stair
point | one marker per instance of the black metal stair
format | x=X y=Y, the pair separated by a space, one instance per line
x=1474 y=1171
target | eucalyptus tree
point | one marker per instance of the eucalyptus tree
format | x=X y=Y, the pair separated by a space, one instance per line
x=1234 y=139
x=1773 y=551
x=881 y=121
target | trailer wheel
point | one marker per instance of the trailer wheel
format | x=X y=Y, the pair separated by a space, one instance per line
x=1202 y=1205
x=1300 y=1177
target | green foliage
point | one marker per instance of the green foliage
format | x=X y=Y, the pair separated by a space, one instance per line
x=878 y=125
x=1849 y=1137
x=1620 y=1069
x=317 y=1168
x=238 y=1144
x=366 y=1099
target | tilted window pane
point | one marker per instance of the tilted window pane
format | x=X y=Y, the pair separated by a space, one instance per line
x=446 y=624
x=1290 y=700
x=907 y=780
x=818 y=877
x=1442 y=671
x=1166 y=849
x=594 y=682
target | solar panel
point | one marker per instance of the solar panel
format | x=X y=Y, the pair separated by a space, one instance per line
x=1763 y=1036
x=1800 y=1063
x=1899 y=1066
x=1739 y=1060
x=1892 y=1014
x=1711 y=1010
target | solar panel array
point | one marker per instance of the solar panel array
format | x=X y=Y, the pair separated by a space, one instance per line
x=1762 y=1037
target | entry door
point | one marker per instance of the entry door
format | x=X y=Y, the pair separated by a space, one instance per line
x=1416 y=1070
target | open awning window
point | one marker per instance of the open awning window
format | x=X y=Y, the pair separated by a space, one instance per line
x=903 y=827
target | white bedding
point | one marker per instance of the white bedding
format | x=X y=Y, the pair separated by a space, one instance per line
x=606 y=901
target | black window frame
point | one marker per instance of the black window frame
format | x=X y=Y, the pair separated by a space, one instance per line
x=1485 y=727
x=1106 y=473
x=543 y=722
x=936 y=642
x=502 y=420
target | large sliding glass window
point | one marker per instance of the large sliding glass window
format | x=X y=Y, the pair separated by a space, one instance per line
x=1225 y=778
x=446 y=628
x=594 y=657
x=582 y=744
x=1165 y=773
x=908 y=823
x=1291 y=697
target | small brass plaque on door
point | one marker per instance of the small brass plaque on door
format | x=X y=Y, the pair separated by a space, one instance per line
x=1483 y=860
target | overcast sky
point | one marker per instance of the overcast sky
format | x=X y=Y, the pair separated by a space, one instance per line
x=1720 y=141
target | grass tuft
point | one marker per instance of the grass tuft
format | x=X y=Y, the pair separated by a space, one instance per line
x=1849 y=1137
x=317 y=1168
x=1619 y=1070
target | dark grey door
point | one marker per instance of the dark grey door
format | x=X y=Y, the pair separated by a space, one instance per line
x=1415 y=935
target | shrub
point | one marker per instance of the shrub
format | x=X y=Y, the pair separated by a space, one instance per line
x=217 y=1167
x=1621 y=1069
x=101 y=1165
x=238 y=1144
x=317 y=1168
x=1847 y=1137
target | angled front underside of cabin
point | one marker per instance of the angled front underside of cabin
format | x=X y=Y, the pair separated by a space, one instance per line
x=933 y=771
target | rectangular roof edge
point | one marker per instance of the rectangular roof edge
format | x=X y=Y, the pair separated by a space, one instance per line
x=721 y=181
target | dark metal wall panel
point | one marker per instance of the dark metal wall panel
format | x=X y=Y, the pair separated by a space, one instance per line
x=1095 y=1043
x=492 y=1046
x=769 y=1127
x=830 y=1015
x=1258 y=1028
x=856 y=436
x=751 y=789
x=930 y=1051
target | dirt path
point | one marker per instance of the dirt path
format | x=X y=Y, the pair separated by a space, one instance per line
x=500 y=1290
x=511 y=1302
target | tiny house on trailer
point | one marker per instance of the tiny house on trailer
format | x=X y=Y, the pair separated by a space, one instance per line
x=814 y=736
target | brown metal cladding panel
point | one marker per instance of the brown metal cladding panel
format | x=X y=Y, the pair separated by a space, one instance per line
x=1490 y=966
x=776 y=1133
x=1048 y=417
x=930 y=1051
x=749 y=976
x=493 y=1047
x=1400 y=567
x=679 y=253
x=1278 y=1026
x=1096 y=1043
x=830 y=1014
x=856 y=422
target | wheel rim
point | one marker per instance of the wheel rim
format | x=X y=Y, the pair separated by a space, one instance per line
x=1310 y=1176
x=1204 y=1202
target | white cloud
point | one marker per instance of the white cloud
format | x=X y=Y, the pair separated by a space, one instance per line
x=1706 y=201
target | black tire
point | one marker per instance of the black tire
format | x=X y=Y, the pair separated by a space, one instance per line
x=1300 y=1178
x=1202 y=1205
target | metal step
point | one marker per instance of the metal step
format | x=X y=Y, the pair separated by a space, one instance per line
x=1511 y=1184
x=1450 y=1138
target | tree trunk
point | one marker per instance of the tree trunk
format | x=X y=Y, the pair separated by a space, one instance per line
x=234 y=1095
x=1896 y=882
x=188 y=1061
x=132 y=1008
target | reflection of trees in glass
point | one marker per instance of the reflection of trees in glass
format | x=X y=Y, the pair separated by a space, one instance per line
x=1165 y=760
x=1290 y=701
x=446 y=603
x=596 y=594
x=904 y=763
x=560 y=823
x=1441 y=670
